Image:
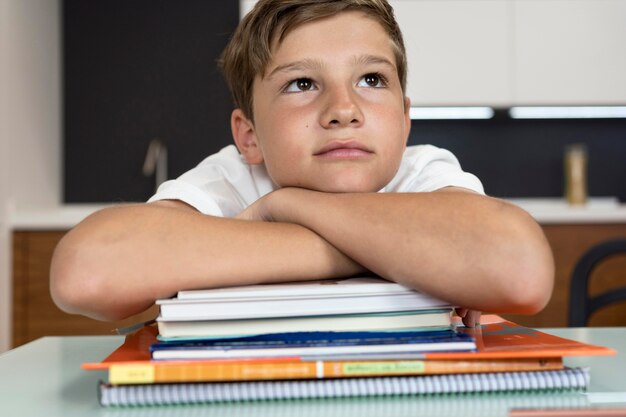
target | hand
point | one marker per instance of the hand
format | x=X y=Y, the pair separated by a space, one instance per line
x=258 y=211
x=471 y=318
x=269 y=207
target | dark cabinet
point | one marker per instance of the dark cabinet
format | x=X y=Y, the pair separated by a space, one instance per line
x=134 y=71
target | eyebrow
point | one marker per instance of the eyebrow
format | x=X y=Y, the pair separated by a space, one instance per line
x=305 y=64
x=313 y=64
x=373 y=59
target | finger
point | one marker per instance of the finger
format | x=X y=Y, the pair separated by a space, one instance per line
x=461 y=312
x=472 y=318
x=477 y=317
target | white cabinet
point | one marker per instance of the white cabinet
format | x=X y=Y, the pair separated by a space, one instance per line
x=458 y=51
x=570 y=52
x=515 y=52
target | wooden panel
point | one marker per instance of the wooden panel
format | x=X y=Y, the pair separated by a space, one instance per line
x=20 y=284
x=34 y=313
x=569 y=243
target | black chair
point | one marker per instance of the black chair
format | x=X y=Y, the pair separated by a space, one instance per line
x=581 y=305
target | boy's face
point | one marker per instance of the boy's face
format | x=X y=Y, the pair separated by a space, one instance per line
x=329 y=112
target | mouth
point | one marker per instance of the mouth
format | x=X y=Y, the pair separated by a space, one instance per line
x=349 y=149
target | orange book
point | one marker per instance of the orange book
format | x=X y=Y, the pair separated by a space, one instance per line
x=205 y=371
x=502 y=346
x=499 y=338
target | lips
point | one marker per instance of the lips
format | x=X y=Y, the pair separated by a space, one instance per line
x=344 y=150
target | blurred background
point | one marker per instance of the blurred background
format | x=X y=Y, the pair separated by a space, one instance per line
x=102 y=100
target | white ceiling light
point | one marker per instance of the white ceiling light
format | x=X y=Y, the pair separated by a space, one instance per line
x=442 y=113
x=568 y=112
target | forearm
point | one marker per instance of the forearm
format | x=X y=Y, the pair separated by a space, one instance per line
x=119 y=261
x=474 y=251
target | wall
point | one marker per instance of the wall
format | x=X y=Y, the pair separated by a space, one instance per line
x=4 y=268
x=30 y=121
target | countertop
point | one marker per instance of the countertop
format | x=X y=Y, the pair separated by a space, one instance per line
x=48 y=370
x=544 y=210
x=557 y=210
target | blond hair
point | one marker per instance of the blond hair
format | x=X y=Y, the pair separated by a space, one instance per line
x=248 y=53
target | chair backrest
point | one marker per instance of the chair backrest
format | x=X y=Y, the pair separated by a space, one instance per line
x=581 y=305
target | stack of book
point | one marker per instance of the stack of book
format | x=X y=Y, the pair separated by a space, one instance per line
x=363 y=316
x=333 y=338
x=364 y=303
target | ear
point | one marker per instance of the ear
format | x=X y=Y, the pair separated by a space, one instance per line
x=407 y=116
x=245 y=137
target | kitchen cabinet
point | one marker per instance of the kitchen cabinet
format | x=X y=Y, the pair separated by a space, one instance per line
x=514 y=52
x=569 y=52
x=134 y=72
x=34 y=313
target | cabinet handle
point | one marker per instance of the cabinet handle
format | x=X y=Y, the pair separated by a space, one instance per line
x=156 y=162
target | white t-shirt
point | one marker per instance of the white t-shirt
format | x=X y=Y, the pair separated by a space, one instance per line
x=224 y=184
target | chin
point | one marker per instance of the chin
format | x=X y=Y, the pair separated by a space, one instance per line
x=339 y=184
x=348 y=188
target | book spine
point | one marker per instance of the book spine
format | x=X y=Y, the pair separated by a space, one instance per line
x=205 y=372
x=211 y=392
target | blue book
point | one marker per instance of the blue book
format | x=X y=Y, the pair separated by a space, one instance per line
x=316 y=344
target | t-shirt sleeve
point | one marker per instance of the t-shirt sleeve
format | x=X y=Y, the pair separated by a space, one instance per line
x=221 y=185
x=426 y=168
x=189 y=193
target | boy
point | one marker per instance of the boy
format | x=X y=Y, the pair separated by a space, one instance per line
x=324 y=186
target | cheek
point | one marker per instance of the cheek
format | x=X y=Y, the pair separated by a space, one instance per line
x=285 y=153
x=394 y=140
x=392 y=127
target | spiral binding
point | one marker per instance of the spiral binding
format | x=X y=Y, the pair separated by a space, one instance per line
x=164 y=394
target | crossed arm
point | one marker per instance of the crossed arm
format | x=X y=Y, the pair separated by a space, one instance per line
x=473 y=251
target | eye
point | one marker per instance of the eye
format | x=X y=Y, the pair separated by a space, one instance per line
x=372 y=80
x=301 y=84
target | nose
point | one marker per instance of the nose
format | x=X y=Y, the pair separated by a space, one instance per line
x=341 y=108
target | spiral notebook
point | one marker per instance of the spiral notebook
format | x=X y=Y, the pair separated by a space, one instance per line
x=480 y=405
x=568 y=379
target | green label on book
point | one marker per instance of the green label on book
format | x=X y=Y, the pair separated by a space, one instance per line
x=360 y=368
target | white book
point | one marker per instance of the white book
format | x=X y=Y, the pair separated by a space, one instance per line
x=354 y=287
x=312 y=298
x=349 y=322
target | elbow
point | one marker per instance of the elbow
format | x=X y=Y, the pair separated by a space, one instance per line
x=532 y=292
x=78 y=281
x=63 y=277
x=541 y=284
x=74 y=287
x=531 y=279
